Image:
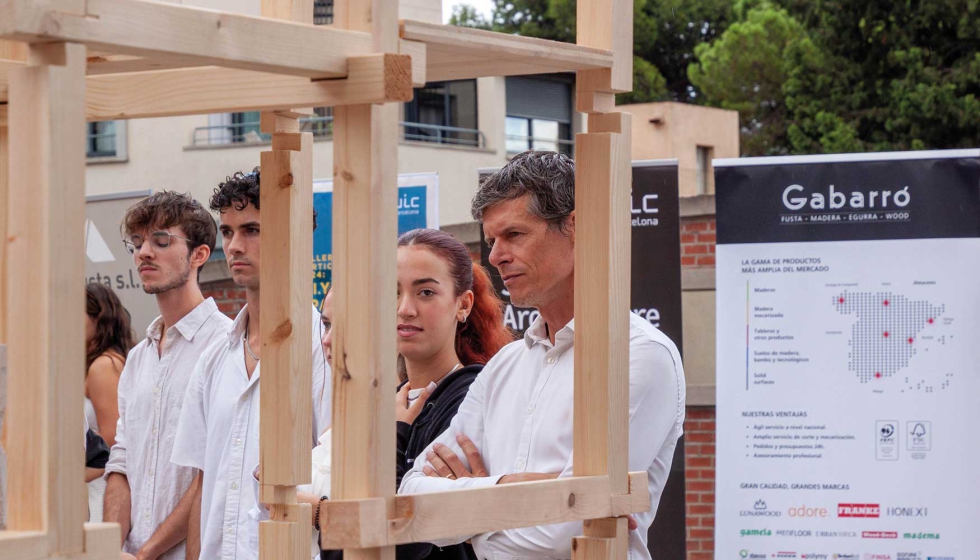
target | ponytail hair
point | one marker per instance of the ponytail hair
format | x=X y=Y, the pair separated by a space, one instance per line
x=483 y=333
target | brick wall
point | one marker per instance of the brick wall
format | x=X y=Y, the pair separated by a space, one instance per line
x=699 y=472
x=698 y=241
x=229 y=297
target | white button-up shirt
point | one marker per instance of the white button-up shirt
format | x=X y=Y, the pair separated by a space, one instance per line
x=151 y=392
x=518 y=413
x=219 y=434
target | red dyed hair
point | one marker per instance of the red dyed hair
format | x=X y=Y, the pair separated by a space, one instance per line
x=483 y=333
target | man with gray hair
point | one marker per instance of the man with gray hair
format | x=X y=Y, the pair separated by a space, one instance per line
x=515 y=424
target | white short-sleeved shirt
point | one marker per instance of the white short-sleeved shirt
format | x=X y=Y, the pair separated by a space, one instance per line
x=219 y=434
x=151 y=393
x=518 y=412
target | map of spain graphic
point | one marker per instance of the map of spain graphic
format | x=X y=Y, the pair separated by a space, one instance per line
x=890 y=330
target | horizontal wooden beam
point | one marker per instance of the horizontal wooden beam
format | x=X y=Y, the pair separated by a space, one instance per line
x=372 y=79
x=23 y=545
x=460 y=52
x=189 y=35
x=121 y=63
x=421 y=517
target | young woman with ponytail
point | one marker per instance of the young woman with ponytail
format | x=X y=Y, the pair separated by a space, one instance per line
x=450 y=323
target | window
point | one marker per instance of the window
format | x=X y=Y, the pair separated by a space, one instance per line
x=106 y=141
x=705 y=180
x=322 y=12
x=445 y=113
x=539 y=114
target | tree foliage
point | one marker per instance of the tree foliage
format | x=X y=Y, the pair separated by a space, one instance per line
x=807 y=76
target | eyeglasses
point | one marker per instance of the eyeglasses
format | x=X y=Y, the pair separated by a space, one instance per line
x=159 y=239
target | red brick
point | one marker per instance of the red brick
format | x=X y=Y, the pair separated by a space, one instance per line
x=226 y=307
x=711 y=224
x=692 y=546
x=695 y=509
x=700 y=462
x=695 y=249
x=709 y=555
x=707 y=474
x=711 y=249
x=688 y=238
x=708 y=425
x=708 y=449
x=701 y=437
x=708 y=260
x=706 y=238
x=707 y=521
x=692 y=474
x=688 y=261
x=700 y=413
x=235 y=294
x=692 y=497
x=702 y=533
x=700 y=486
x=697 y=225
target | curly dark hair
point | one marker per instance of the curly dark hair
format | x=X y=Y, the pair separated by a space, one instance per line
x=168 y=209
x=112 y=324
x=240 y=190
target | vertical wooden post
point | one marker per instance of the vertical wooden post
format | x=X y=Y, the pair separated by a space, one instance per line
x=603 y=180
x=46 y=260
x=364 y=232
x=286 y=410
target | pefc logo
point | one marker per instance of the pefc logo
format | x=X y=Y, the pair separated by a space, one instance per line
x=795 y=198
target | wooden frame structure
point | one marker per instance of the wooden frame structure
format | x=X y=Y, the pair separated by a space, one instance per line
x=63 y=62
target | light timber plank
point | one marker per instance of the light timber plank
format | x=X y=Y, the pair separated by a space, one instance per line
x=23 y=545
x=602 y=291
x=198 y=36
x=299 y=11
x=123 y=63
x=4 y=183
x=287 y=240
x=365 y=141
x=422 y=517
x=593 y=102
x=13 y=50
x=47 y=189
x=607 y=24
x=459 y=52
x=102 y=541
x=372 y=78
x=614 y=529
x=417 y=51
x=592 y=548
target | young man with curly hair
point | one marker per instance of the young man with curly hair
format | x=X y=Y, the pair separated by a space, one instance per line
x=219 y=425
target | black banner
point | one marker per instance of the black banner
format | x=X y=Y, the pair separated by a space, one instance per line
x=848 y=197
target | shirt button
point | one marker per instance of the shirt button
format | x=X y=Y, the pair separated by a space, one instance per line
x=520 y=464
x=551 y=360
x=234 y=486
x=229 y=530
x=238 y=441
x=156 y=390
x=530 y=409
x=152 y=472
x=146 y=516
x=154 y=431
x=244 y=398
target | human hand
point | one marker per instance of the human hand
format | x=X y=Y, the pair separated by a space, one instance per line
x=404 y=412
x=443 y=461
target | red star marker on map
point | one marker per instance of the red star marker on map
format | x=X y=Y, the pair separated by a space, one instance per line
x=886 y=302
x=910 y=340
x=878 y=374
x=886 y=334
x=931 y=321
x=841 y=300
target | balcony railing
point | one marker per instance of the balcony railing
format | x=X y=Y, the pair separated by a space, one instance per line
x=566 y=147
x=322 y=127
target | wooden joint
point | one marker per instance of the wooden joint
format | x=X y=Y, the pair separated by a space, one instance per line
x=361 y=523
x=102 y=540
x=394 y=71
x=276 y=494
x=592 y=102
x=592 y=548
x=271 y=122
x=617 y=123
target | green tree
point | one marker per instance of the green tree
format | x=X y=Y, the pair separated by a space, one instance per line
x=745 y=70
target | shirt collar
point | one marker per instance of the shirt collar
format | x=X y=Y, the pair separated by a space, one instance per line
x=188 y=325
x=238 y=326
x=537 y=333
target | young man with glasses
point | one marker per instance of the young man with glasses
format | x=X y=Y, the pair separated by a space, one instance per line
x=170 y=236
x=219 y=424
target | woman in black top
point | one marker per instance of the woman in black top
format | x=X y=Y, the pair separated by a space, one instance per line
x=450 y=322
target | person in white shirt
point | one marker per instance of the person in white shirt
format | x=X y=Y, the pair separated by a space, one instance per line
x=515 y=423
x=170 y=236
x=218 y=431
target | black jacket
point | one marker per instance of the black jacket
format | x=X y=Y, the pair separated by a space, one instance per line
x=438 y=412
